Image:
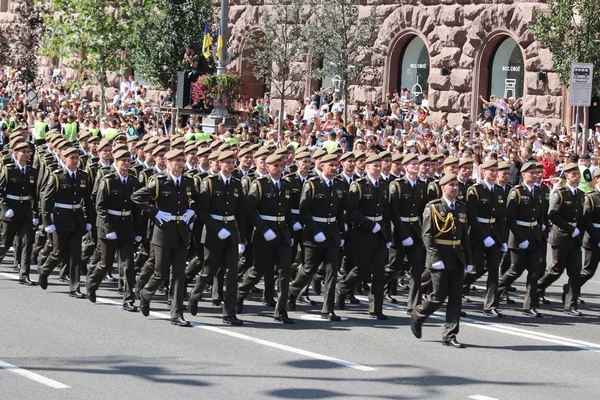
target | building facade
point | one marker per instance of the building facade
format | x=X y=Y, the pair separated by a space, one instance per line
x=458 y=50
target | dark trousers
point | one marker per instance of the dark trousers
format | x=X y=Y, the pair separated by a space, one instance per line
x=246 y=259
x=504 y=262
x=445 y=284
x=485 y=259
x=66 y=247
x=147 y=269
x=522 y=260
x=218 y=259
x=314 y=257
x=564 y=258
x=267 y=259
x=415 y=257
x=591 y=258
x=23 y=231
x=168 y=258
x=369 y=260
x=108 y=249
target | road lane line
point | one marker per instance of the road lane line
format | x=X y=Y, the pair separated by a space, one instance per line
x=480 y=397
x=33 y=376
x=263 y=342
x=509 y=330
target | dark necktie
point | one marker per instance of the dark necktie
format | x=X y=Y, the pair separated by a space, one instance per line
x=74 y=178
x=124 y=182
x=376 y=184
x=23 y=171
x=452 y=206
x=226 y=183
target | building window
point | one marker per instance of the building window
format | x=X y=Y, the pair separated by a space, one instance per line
x=507 y=73
x=4 y=5
x=414 y=68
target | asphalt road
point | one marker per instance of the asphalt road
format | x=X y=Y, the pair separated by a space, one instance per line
x=56 y=347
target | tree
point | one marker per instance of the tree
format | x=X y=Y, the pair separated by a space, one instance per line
x=161 y=31
x=344 y=42
x=279 y=50
x=570 y=29
x=26 y=34
x=92 y=33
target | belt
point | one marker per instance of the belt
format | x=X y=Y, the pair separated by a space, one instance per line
x=447 y=242
x=572 y=223
x=295 y=211
x=176 y=218
x=596 y=225
x=326 y=220
x=224 y=218
x=271 y=218
x=528 y=224
x=409 y=219
x=123 y=213
x=67 y=206
x=375 y=219
x=486 y=220
x=20 y=198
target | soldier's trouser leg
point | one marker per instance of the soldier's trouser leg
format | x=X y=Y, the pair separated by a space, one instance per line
x=195 y=265
x=9 y=230
x=147 y=270
x=24 y=248
x=167 y=257
x=572 y=257
x=246 y=260
x=522 y=260
x=256 y=271
x=453 y=308
x=89 y=244
x=486 y=260
x=217 y=289
x=393 y=268
x=142 y=255
x=591 y=258
x=504 y=262
x=98 y=272
x=433 y=301
x=282 y=258
x=415 y=262
x=66 y=246
x=556 y=270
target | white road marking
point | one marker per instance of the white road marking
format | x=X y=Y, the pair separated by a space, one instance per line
x=510 y=330
x=316 y=317
x=480 y=397
x=33 y=376
x=263 y=342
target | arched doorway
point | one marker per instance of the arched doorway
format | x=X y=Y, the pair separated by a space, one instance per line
x=254 y=88
x=413 y=73
x=507 y=70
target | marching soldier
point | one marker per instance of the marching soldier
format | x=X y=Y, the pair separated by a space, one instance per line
x=446 y=241
x=539 y=174
x=485 y=233
x=504 y=186
x=566 y=210
x=268 y=209
x=591 y=237
x=119 y=227
x=465 y=171
x=434 y=191
x=524 y=218
x=322 y=215
x=67 y=213
x=170 y=199
x=368 y=211
x=221 y=207
x=407 y=202
x=19 y=209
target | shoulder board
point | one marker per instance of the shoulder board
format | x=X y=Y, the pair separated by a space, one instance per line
x=314 y=178
x=361 y=180
x=519 y=186
x=262 y=178
x=436 y=201
x=234 y=179
x=460 y=203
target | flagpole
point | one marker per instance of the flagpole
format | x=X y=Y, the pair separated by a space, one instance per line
x=220 y=110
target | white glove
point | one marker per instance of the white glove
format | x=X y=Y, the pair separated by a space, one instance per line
x=36 y=222
x=320 y=237
x=9 y=213
x=504 y=248
x=408 y=242
x=52 y=217
x=524 y=244
x=138 y=239
x=192 y=226
x=223 y=234
x=489 y=242
x=543 y=227
x=241 y=248
x=297 y=226
x=269 y=235
x=469 y=268
x=111 y=236
x=598 y=244
x=575 y=232
x=377 y=227
x=292 y=242
x=388 y=245
x=345 y=227
x=188 y=214
x=438 y=265
x=343 y=242
x=162 y=217
x=88 y=227
x=50 y=229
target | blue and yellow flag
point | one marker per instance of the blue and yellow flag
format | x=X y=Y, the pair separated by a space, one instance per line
x=219 y=44
x=206 y=42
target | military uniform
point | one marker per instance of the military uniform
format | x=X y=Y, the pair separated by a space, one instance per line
x=407 y=203
x=221 y=207
x=170 y=238
x=591 y=237
x=322 y=215
x=566 y=210
x=485 y=205
x=18 y=193
x=524 y=218
x=446 y=241
x=505 y=256
x=367 y=210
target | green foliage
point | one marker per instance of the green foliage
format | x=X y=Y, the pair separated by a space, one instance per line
x=210 y=88
x=161 y=30
x=570 y=29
